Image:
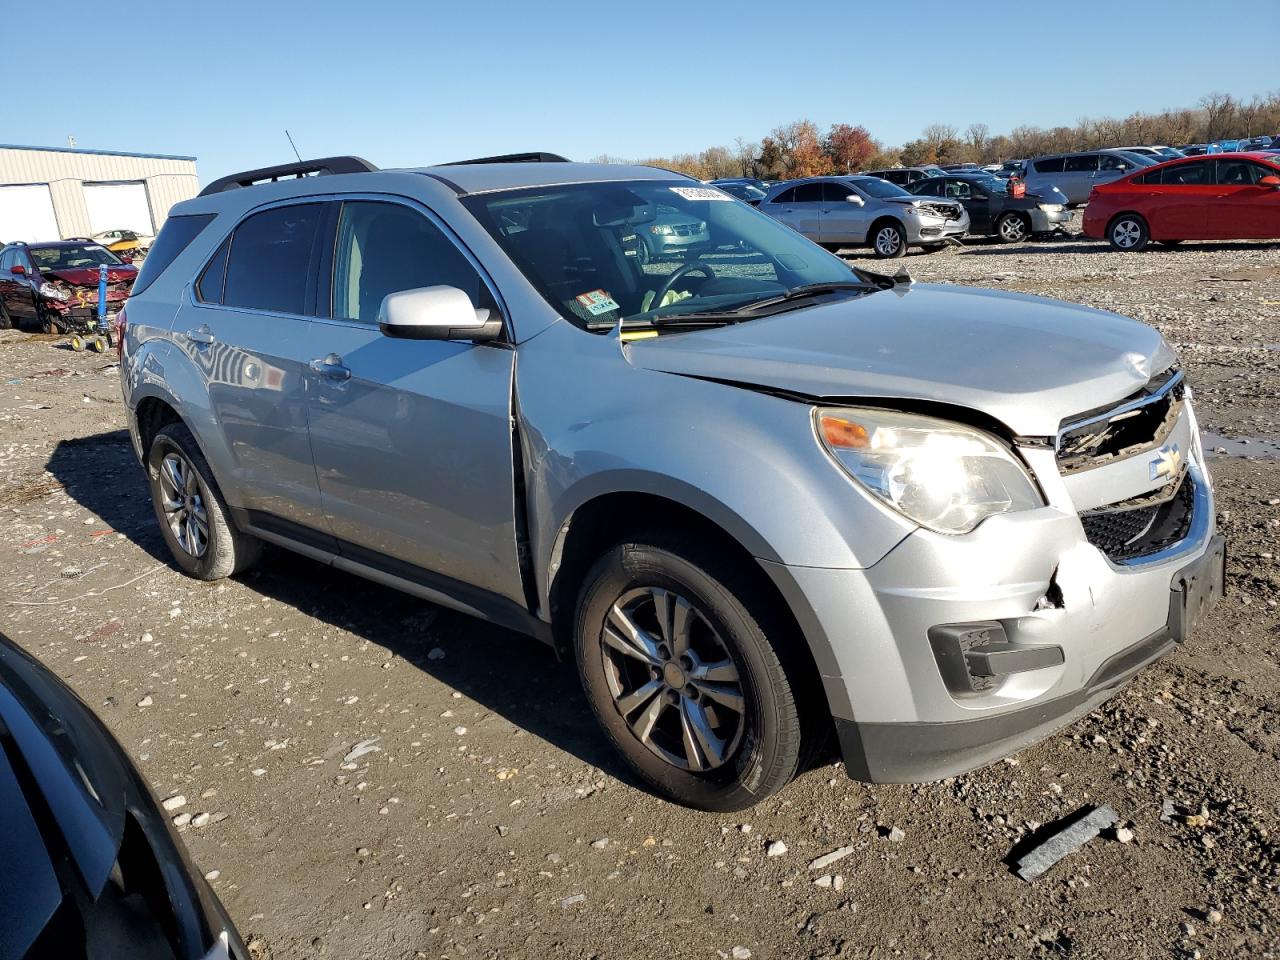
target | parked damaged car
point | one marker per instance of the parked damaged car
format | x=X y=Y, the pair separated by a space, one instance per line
x=863 y=211
x=54 y=285
x=755 y=495
x=994 y=211
x=92 y=867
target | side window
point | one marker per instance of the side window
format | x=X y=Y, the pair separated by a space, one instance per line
x=930 y=188
x=1081 y=163
x=268 y=267
x=1239 y=173
x=808 y=193
x=175 y=236
x=1051 y=165
x=1148 y=178
x=958 y=190
x=786 y=196
x=384 y=248
x=6 y=261
x=209 y=286
x=833 y=192
x=1188 y=174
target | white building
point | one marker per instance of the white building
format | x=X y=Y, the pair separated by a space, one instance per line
x=51 y=193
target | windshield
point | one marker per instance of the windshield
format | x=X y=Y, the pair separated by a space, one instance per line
x=87 y=256
x=648 y=252
x=875 y=187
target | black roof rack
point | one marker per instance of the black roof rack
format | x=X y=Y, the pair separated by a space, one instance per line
x=538 y=156
x=286 y=171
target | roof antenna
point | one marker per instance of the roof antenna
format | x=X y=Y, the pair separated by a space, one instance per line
x=291 y=143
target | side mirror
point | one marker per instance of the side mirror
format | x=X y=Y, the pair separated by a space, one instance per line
x=855 y=199
x=436 y=313
x=1270 y=181
x=18 y=270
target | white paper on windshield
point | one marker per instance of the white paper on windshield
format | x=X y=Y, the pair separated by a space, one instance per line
x=701 y=193
x=597 y=302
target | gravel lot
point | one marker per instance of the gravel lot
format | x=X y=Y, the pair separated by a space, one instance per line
x=488 y=820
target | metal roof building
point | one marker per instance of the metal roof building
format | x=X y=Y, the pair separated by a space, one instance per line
x=49 y=193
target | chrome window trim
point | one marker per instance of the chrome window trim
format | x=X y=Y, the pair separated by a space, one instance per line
x=322 y=198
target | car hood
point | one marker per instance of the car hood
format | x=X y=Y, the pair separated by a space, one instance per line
x=1027 y=361
x=88 y=277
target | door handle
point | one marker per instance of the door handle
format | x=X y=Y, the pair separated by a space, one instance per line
x=202 y=335
x=331 y=368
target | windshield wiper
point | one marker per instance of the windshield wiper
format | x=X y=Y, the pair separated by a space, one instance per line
x=803 y=292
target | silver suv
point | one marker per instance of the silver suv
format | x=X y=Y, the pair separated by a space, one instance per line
x=1076 y=174
x=861 y=211
x=758 y=496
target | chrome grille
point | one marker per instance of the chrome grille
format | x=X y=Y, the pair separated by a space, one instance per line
x=1140 y=422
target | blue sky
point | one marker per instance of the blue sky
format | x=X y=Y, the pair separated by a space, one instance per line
x=409 y=83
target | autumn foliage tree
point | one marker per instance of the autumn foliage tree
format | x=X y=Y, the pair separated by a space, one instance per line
x=848 y=148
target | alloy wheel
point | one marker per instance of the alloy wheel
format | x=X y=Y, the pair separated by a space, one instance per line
x=1126 y=234
x=183 y=504
x=672 y=679
x=888 y=241
x=1012 y=229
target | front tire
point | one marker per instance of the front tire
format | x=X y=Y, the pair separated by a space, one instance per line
x=1012 y=228
x=1128 y=232
x=681 y=664
x=192 y=513
x=888 y=240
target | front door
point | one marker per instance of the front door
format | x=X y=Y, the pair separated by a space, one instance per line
x=807 y=208
x=248 y=333
x=412 y=439
x=1241 y=208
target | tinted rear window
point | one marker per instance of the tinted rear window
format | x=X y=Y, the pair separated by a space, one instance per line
x=268 y=267
x=1052 y=165
x=175 y=236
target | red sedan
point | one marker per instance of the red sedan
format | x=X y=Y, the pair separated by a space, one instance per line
x=1225 y=196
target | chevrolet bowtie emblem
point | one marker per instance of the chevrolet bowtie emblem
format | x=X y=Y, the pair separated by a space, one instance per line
x=1167 y=462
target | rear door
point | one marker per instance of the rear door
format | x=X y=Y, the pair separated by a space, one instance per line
x=974 y=201
x=412 y=438
x=1078 y=172
x=1179 y=210
x=783 y=209
x=1241 y=209
x=842 y=221
x=247 y=328
x=808 y=205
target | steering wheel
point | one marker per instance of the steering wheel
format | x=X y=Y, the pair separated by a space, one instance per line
x=676 y=274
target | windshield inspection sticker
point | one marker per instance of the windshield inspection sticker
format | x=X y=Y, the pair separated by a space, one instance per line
x=701 y=193
x=597 y=302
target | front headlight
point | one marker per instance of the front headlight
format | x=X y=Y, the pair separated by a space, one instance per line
x=911 y=208
x=54 y=291
x=1050 y=207
x=942 y=475
x=661 y=229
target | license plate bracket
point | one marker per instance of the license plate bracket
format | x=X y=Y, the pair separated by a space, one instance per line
x=1195 y=589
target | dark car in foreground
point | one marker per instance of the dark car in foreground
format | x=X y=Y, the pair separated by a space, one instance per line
x=55 y=284
x=994 y=210
x=90 y=866
x=1226 y=196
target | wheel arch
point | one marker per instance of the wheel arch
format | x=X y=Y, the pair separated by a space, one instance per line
x=880 y=221
x=606 y=519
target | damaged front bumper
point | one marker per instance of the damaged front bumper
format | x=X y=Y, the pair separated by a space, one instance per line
x=954 y=651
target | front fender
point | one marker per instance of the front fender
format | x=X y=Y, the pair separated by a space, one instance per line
x=745 y=460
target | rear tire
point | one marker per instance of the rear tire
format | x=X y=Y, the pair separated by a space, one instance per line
x=192 y=513
x=888 y=240
x=667 y=704
x=1128 y=232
